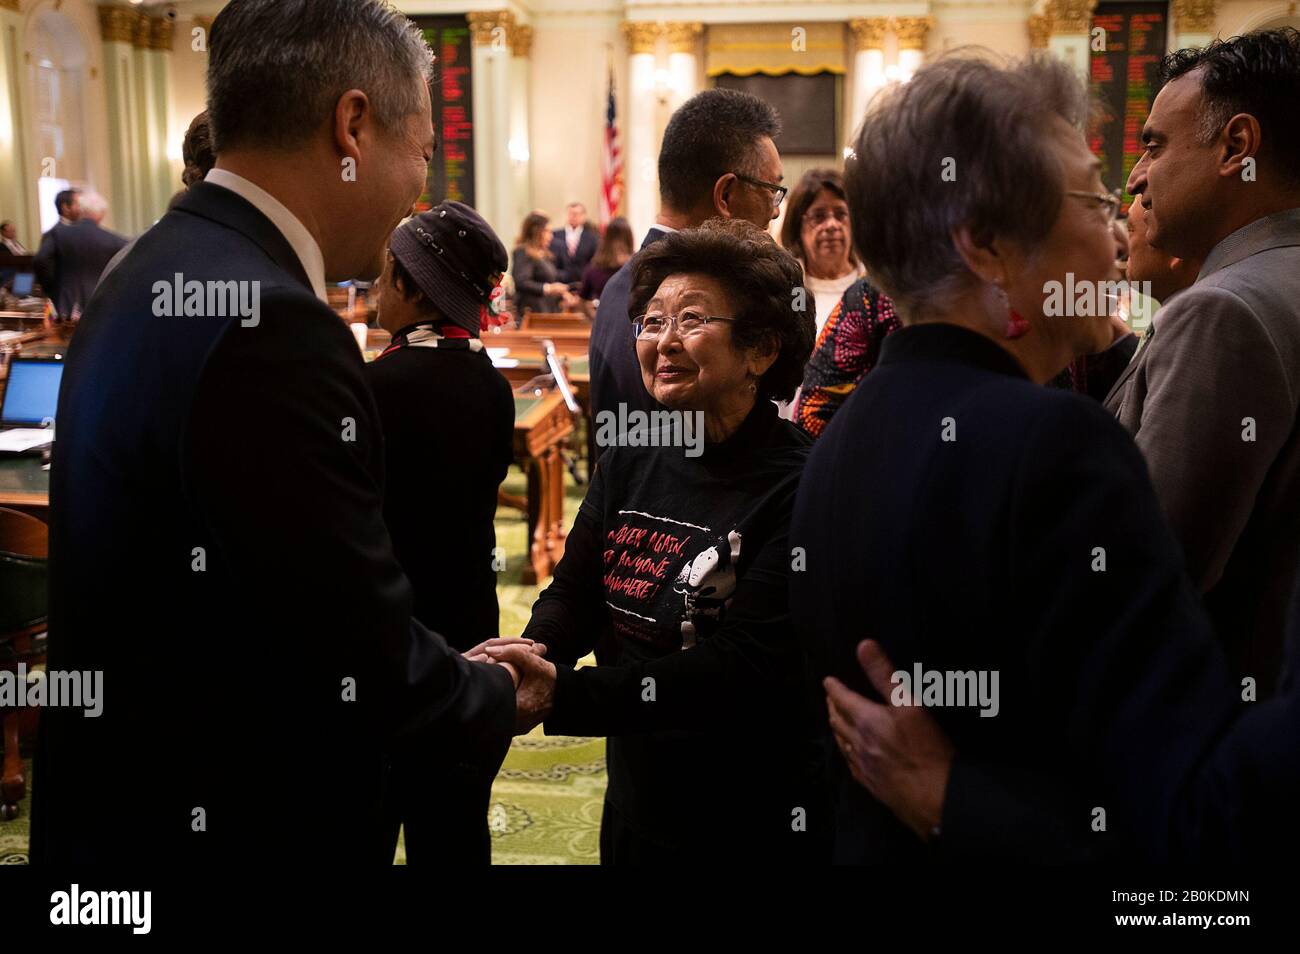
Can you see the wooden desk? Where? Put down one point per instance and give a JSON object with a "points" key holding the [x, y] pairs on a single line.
{"points": [[541, 425], [25, 486]]}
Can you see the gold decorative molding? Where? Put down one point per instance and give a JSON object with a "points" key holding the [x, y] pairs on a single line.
{"points": [[117, 24], [521, 44], [911, 31], [1070, 16], [682, 37], [161, 31], [1040, 28], [484, 23], [869, 32], [142, 33], [641, 36], [9, 5], [204, 23], [1194, 16]]}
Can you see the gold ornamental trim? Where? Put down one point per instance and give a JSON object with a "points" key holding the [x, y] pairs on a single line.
{"points": [[682, 37], [161, 31], [911, 31], [117, 24], [869, 32], [9, 5], [641, 36], [1070, 16], [484, 23], [1194, 16], [1040, 28], [521, 44]]}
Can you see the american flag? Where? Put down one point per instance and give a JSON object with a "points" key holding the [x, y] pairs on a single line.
{"points": [[611, 166]]}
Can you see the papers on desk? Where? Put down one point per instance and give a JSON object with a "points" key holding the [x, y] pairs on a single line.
{"points": [[20, 440], [500, 359]]}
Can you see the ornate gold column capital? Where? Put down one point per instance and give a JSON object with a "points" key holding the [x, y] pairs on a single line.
{"points": [[1040, 28], [641, 36], [9, 5], [1194, 16], [682, 37], [117, 24], [911, 31], [521, 44], [1070, 16], [203, 23], [483, 24], [869, 32], [161, 31]]}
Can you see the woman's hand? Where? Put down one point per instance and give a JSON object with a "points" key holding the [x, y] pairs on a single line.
{"points": [[554, 288], [479, 652], [898, 753]]}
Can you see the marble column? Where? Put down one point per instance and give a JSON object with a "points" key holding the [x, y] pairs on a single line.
{"points": [[911, 33], [493, 177], [17, 183], [868, 66], [1071, 21], [117, 30], [1193, 23], [683, 61], [641, 179], [520, 146]]}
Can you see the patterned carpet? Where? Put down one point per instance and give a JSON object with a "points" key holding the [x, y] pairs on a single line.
{"points": [[546, 802]]}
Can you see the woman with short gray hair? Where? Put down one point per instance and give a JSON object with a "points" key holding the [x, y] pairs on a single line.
{"points": [[1000, 539]]}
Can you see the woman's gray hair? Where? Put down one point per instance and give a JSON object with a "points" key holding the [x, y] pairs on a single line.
{"points": [[276, 68], [963, 144]]}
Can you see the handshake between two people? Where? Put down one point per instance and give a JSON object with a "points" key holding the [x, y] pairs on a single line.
{"points": [[533, 676]]}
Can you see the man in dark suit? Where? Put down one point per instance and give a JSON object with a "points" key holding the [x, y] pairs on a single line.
{"points": [[574, 246], [218, 548], [1213, 397], [74, 253], [717, 159]]}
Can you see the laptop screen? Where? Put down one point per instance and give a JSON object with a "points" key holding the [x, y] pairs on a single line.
{"points": [[32, 393], [23, 283]]}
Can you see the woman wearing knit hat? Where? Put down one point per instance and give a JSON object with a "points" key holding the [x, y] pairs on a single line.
{"points": [[448, 419]]}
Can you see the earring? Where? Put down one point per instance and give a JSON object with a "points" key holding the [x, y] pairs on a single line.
{"points": [[1017, 325]]}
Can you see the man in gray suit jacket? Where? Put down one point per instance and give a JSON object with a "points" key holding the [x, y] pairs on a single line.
{"points": [[1213, 394]]}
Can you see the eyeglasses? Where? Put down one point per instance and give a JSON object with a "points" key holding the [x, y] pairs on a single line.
{"points": [[688, 323], [1109, 203], [778, 191], [819, 217]]}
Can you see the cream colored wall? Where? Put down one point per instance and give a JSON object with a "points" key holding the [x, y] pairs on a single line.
{"points": [[568, 75], [1241, 16], [188, 92]]}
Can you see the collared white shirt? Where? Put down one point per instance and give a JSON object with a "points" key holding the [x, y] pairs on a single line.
{"points": [[294, 232], [571, 237]]}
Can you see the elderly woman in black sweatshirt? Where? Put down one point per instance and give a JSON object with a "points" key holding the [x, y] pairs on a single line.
{"points": [[675, 572]]}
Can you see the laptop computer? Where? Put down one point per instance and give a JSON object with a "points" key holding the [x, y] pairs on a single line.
{"points": [[24, 284], [30, 400]]}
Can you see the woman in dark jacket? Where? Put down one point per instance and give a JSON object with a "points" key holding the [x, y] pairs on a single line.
{"points": [[1000, 539], [537, 285], [675, 572]]}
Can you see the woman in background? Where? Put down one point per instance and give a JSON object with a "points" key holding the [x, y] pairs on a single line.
{"points": [[537, 284], [816, 232], [612, 253]]}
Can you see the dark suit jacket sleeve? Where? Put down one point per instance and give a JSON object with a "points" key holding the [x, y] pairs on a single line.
{"points": [[1121, 661], [744, 674], [46, 264], [1211, 370], [305, 535]]}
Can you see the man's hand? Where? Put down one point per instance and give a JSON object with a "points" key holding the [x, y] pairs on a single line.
{"points": [[898, 753], [535, 693], [479, 652]]}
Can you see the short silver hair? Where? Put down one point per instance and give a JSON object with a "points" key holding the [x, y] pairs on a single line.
{"points": [[276, 68], [960, 145]]}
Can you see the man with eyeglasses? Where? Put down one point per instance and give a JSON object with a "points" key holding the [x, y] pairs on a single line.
{"points": [[718, 158]]}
